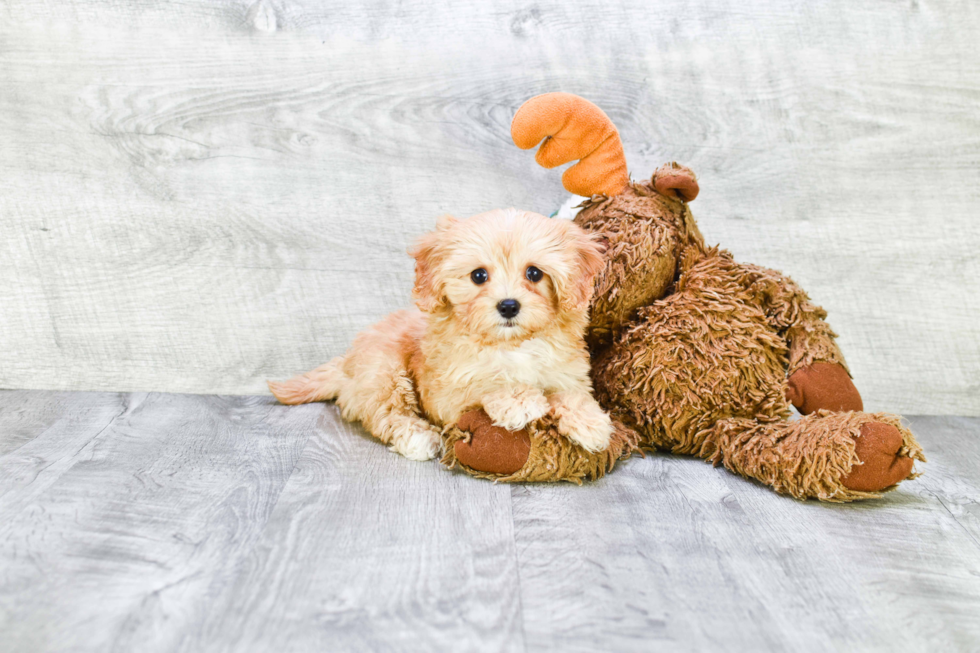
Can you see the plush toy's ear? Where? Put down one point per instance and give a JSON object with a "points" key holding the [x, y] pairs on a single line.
{"points": [[427, 252], [575, 293], [675, 180], [573, 128]]}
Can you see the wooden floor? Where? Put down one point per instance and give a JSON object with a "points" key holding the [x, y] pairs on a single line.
{"points": [[159, 522]]}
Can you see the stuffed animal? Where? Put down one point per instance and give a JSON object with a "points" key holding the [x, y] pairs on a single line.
{"points": [[692, 352]]}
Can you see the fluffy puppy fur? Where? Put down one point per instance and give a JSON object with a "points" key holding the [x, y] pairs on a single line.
{"points": [[417, 371]]}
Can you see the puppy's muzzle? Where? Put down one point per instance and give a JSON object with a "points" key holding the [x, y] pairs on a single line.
{"points": [[508, 308]]}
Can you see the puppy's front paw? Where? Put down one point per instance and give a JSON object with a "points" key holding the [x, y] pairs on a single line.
{"points": [[417, 442], [516, 409], [591, 437], [581, 420]]}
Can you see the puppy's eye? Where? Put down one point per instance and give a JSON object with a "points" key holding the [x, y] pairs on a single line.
{"points": [[479, 276], [533, 274]]}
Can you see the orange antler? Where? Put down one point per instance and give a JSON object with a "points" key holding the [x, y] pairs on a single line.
{"points": [[573, 128]]}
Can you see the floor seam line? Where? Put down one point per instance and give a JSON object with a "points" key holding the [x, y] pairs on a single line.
{"points": [[517, 568], [965, 529]]}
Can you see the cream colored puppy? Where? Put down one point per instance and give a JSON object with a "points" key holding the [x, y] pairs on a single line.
{"points": [[503, 299]]}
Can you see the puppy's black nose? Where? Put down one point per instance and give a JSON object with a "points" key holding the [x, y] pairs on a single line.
{"points": [[509, 308]]}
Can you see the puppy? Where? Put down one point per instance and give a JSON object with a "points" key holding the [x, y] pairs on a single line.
{"points": [[503, 302]]}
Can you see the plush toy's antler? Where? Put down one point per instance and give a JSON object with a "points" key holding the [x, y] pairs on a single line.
{"points": [[573, 128]]}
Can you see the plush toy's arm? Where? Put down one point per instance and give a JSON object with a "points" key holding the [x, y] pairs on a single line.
{"points": [[801, 322], [811, 340], [818, 377], [533, 454]]}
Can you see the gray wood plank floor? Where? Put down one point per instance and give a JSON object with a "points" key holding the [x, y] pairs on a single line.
{"points": [[158, 522]]}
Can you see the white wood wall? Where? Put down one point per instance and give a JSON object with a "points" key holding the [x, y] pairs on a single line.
{"points": [[196, 196]]}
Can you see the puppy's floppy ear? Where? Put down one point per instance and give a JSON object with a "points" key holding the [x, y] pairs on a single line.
{"points": [[445, 222], [427, 252], [586, 255]]}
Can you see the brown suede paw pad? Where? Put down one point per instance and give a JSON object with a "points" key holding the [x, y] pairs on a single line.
{"points": [[882, 466], [823, 386], [490, 448]]}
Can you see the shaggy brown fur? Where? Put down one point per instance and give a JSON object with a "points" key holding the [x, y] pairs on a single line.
{"points": [[805, 458], [697, 354]]}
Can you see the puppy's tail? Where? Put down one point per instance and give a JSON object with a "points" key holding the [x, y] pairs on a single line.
{"points": [[322, 384]]}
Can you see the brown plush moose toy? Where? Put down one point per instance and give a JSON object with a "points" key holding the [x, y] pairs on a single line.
{"points": [[692, 352]]}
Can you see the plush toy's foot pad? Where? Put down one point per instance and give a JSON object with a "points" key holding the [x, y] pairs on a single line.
{"points": [[823, 386], [882, 466], [491, 449]]}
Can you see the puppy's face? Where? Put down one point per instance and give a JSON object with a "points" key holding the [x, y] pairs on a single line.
{"points": [[506, 274]]}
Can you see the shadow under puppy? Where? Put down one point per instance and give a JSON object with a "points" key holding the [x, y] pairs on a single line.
{"points": [[503, 302]]}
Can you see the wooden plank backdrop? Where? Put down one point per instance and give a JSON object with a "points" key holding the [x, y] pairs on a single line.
{"points": [[197, 196]]}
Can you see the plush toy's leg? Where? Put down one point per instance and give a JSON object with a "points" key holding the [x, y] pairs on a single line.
{"points": [[828, 456]]}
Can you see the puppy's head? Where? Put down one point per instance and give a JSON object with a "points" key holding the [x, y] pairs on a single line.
{"points": [[506, 274]]}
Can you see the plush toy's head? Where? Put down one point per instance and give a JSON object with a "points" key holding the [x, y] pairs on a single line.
{"points": [[506, 274], [646, 226]]}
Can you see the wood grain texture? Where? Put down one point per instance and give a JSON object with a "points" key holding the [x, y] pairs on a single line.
{"points": [[117, 534], [670, 553], [197, 196], [202, 523], [368, 551], [188, 523]]}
